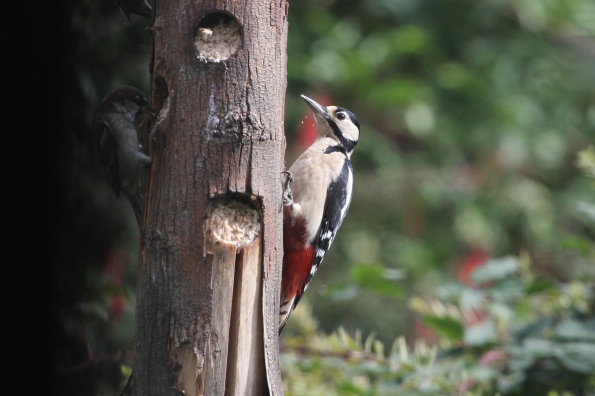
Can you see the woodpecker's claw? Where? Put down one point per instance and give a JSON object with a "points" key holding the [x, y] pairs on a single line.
{"points": [[287, 194], [289, 178]]}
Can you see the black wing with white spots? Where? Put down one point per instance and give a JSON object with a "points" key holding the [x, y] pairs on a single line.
{"points": [[338, 198]]}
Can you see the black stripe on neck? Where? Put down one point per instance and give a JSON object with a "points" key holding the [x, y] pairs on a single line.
{"points": [[334, 149], [346, 143]]}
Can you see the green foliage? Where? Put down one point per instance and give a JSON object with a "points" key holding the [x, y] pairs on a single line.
{"points": [[338, 364], [586, 161], [519, 334], [495, 270], [445, 326], [377, 279]]}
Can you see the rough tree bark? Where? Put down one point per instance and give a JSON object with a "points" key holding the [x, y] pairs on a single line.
{"points": [[211, 241]]}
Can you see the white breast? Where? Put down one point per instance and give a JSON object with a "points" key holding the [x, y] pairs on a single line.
{"points": [[313, 172]]}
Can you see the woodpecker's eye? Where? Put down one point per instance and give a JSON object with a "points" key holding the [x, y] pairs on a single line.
{"points": [[341, 116]]}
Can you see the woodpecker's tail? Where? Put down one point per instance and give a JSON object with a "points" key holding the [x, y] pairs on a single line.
{"points": [[284, 312], [286, 309]]}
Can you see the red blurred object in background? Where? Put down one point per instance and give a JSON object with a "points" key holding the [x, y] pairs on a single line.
{"points": [[467, 264], [114, 269], [474, 259]]}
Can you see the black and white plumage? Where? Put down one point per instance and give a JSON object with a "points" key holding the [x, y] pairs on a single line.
{"points": [[115, 135], [318, 194], [138, 7]]}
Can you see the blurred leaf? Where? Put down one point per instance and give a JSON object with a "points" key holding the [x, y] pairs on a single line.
{"points": [[495, 269], [126, 372], [580, 244], [445, 326], [94, 309], [377, 279], [410, 39], [397, 91], [507, 290], [350, 389], [586, 160], [480, 334], [340, 291], [472, 299], [538, 348], [572, 329], [578, 356], [533, 329], [539, 285], [520, 360], [587, 209]]}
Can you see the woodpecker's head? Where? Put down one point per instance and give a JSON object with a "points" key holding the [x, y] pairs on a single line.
{"points": [[337, 123], [125, 102]]}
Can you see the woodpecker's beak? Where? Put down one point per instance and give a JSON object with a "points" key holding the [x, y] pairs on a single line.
{"points": [[148, 110], [318, 109]]}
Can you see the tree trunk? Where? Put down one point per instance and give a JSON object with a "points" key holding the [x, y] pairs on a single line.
{"points": [[211, 245]]}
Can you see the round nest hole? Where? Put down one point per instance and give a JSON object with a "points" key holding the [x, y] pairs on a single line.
{"points": [[218, 36], [234, 222]]}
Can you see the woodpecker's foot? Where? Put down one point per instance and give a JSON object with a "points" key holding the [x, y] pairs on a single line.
{"points": [[287, 194]]}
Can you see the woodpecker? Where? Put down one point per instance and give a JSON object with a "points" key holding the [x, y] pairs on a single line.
{"points": [[116, 138], [138, 7], [316, 198]]}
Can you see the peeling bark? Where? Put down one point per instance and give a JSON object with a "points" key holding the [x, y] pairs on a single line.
{"points": [[207, 308]]}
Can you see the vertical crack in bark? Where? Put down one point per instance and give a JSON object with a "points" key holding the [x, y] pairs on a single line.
{"points": [[248, 85], [249, 172]]}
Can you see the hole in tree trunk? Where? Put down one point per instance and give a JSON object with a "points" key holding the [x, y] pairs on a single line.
{"points": [[234, 222], [218, 36]]}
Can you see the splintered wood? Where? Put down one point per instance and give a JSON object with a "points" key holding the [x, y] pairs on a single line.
{"points": [[236, 348]]}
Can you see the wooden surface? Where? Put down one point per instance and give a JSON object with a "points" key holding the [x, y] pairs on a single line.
{"points": [[220, 133], [246, 352]]}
